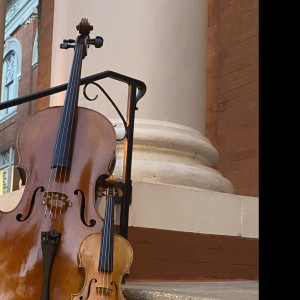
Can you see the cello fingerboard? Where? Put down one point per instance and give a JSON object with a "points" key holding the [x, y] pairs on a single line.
{"points": [[62, 156]]}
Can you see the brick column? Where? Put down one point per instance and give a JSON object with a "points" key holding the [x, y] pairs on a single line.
{"points": [[2, 29]]}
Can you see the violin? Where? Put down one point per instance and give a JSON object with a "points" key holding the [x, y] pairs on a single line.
{"points": [[104, 258], [63, 151]]}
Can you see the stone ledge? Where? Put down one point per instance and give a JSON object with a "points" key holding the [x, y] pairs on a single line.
{"points": [[179, 208], [237, 290], [160, 206]]}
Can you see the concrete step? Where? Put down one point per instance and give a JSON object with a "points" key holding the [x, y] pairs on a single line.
{"points": [[225, 290]]}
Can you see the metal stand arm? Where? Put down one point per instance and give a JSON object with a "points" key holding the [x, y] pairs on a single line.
{"points": [[136, 90]]}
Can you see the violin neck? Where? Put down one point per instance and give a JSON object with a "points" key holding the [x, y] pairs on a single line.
{"points": [[106, 252], [62, 156]]}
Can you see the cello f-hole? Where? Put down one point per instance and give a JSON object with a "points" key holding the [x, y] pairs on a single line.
{"points": [[89, 289], [82, 210], [19, 216]]}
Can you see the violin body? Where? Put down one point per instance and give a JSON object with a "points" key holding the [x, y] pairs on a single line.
{"points": [[98, 284], [21, 259]]}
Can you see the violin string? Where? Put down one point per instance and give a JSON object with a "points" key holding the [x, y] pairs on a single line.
{"points": [[91, 105], [109, 236], [104, 244], [112, 231], [109, 239], [106, 241]]}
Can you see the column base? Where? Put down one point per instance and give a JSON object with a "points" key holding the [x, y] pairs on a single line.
{"points": [[171, 153]]}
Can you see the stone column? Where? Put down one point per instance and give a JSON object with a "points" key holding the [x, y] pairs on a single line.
{"points": [[162, 43]]}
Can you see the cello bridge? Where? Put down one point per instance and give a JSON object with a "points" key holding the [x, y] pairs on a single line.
{"points": [[56, 199]]}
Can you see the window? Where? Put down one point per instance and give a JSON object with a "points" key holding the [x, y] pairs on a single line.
{"points": [[9, 69], [10, 75], [6, 170]]}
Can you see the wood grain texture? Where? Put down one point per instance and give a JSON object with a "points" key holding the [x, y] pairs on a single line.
{"points": [[88, 257], [21, 260]]}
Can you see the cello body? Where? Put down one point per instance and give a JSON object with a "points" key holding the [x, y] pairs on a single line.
{"points": [[21, 255]]}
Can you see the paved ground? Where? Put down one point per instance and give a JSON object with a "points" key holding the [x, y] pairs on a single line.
{"points": [[227, 290]]}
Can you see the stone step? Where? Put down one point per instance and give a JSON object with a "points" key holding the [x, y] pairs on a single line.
{"points": [[225, 290]]}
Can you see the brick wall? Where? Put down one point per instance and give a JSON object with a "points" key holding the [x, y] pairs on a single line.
{"points": [[173, 255], [27, 84], [232, 90], [45, 51]]}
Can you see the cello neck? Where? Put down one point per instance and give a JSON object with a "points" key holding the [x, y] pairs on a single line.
{"points": [[63, 149], [62, 156]]}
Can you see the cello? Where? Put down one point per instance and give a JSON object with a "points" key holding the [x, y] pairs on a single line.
{"points": [[63, 151], [104, 257]]}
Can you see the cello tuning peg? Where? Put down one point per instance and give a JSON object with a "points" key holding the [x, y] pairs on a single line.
{"points": [[97, 41], [66, 46], [69, 41]]}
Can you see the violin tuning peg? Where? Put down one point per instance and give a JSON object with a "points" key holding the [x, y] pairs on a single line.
{"points": [[111, 180]]}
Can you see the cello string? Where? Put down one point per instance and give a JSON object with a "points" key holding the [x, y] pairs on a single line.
{"points": [[63, 131], [71, 112], [77, 69], [57, 146]]}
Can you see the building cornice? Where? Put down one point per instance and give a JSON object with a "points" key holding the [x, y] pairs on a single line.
{"points": [[19, 13]]}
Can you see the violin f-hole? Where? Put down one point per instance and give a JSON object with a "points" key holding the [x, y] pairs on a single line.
{"points": [[82, 210], [19, 216]]}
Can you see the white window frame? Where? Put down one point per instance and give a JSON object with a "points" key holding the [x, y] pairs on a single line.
{"points": [[12, 45], [35, 52], [10, 165]]}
